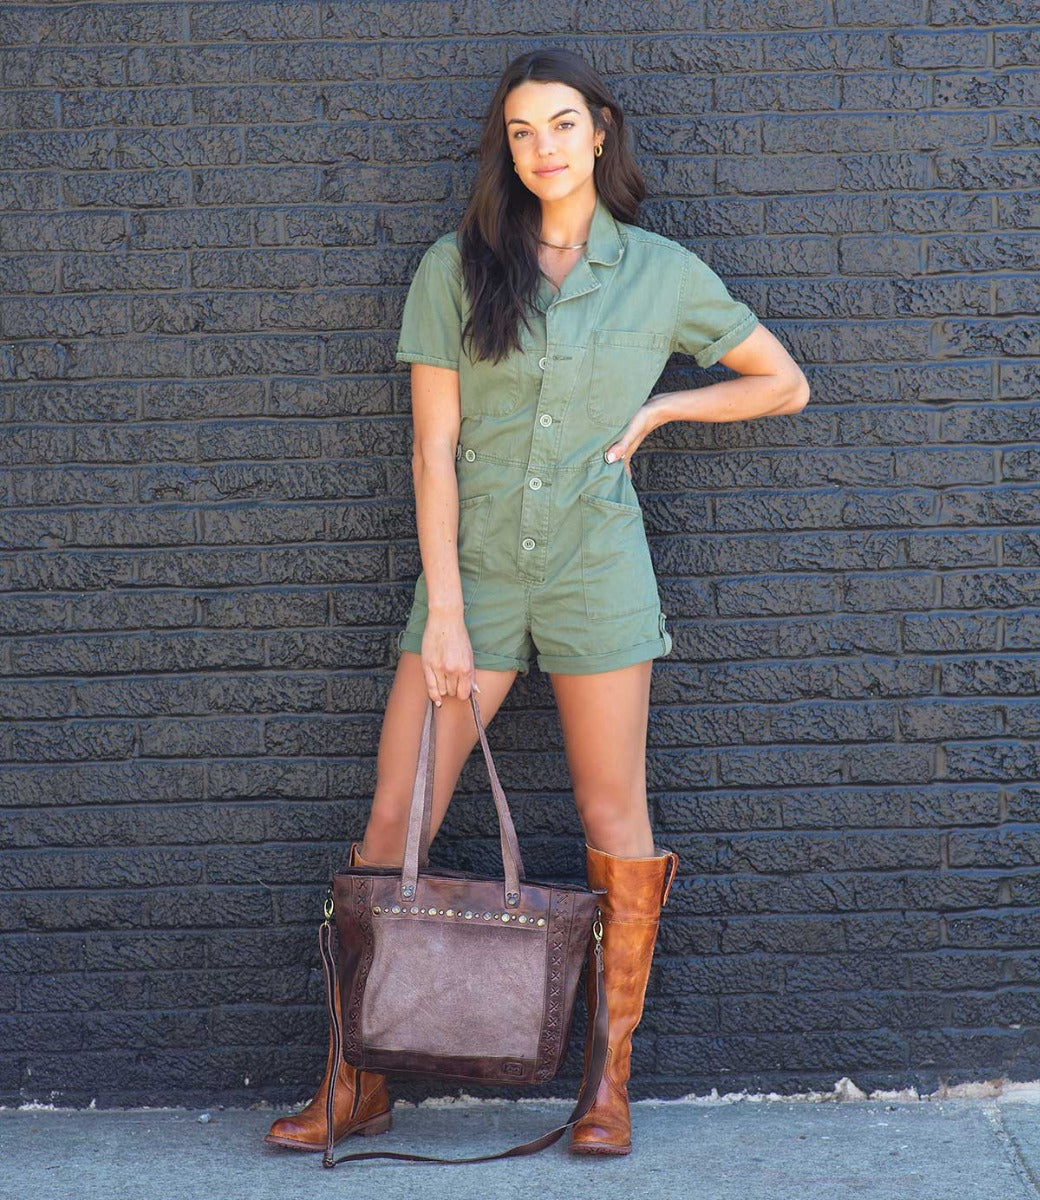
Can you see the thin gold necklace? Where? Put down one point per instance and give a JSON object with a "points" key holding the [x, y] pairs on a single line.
{"points": [[576, 246]]}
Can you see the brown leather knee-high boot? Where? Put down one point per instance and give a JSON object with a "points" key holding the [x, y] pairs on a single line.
{"points": [[307, 1129], [637, 889]]}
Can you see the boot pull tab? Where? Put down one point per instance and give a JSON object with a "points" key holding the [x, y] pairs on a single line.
{"points": [[668, 885]]}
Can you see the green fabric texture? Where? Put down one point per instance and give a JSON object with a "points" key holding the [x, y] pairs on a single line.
{"points": [[553, 555]]}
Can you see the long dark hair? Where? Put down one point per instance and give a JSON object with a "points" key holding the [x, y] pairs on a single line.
{"points": [[498, 232]]}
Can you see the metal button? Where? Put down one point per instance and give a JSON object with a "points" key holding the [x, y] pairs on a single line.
{"points": [[545, 419], [528, 543], [541, 363], [470, 455], [535, 484]]}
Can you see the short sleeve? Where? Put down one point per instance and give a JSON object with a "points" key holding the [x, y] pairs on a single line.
{"points": [[710, 321], [431, 324]]}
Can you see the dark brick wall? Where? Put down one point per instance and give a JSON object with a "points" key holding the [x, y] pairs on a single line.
{"points": [[210, 214]]}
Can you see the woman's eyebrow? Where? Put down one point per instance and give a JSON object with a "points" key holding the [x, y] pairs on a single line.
{"points": [[521, 121]]}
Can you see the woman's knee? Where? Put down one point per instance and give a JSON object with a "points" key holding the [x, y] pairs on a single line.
{"points": [[385, 834], [622, 829], [387, 829]]}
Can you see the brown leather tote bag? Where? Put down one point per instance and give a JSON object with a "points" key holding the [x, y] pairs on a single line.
{"points": [[451, 975]]}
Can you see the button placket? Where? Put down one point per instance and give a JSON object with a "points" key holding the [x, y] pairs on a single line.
{"points": [[534, 527], [536, 506]]}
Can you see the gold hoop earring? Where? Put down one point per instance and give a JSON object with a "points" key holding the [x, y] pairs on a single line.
{"points": [[599, 149], [516, 168]]}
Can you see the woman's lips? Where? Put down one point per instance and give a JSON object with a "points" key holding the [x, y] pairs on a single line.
{"points": [[551, 171]]}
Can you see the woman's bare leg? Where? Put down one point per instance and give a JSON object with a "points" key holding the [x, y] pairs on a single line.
{"points": [[604, 719], [398, 754], [604, 722]]}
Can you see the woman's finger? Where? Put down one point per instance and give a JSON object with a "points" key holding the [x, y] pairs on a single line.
{"points": [[438, 689], [434, 687]]}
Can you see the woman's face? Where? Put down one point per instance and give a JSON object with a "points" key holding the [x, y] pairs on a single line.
{"points": [[548, 126]]}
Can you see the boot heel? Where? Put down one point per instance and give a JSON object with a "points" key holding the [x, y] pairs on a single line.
{"points": [[378, 1124]]}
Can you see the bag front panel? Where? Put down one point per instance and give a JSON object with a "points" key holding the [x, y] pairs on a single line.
{"points": [[455, 984], [462, 988]]}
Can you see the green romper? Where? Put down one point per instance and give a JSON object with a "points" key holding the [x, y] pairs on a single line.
{"points": [[553, 556]]}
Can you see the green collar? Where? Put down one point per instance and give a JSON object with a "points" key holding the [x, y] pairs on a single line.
{"points": [[604, 241], [604, 246]]}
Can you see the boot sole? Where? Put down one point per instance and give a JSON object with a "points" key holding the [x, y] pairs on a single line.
{"points": [[369, 1128], [600, 1148]]}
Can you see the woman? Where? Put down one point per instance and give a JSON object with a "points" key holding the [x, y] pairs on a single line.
{"points": [[535, 334]]}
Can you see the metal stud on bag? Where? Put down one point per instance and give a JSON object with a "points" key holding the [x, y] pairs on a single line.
{"points": [[517, 919]]}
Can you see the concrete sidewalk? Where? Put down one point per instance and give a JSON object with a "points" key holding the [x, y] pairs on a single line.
{"points": [[733, 1148]]}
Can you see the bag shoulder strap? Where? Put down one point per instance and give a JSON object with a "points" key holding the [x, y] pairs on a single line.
{"points": [[598, 1022], [417, 842]]}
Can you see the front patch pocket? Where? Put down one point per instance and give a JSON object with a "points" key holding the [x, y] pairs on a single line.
{"points": [[474, 512], [617, 572], [623, 368]]}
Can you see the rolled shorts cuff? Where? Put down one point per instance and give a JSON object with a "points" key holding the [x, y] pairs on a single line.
{"points": [[593, 664], [408, 640]]}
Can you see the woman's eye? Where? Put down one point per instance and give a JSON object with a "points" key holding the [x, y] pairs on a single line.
{"points": [[562, 125]]}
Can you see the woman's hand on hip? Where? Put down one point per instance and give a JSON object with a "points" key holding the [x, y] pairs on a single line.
{"points": [[447, 658], [641, 424]]}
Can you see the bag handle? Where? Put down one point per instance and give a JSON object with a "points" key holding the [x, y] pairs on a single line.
{"points": [[417, 845], [598, 1023]]}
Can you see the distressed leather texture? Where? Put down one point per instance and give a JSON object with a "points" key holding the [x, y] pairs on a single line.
{"points": [[636, 891], [448, 1007]]}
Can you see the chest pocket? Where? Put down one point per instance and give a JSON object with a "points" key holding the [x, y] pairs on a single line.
{"points": [[623, 367], [489, 389]]}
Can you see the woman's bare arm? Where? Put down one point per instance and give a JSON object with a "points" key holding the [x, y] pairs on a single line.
{"points": [[436, 420], [770, 383]]}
